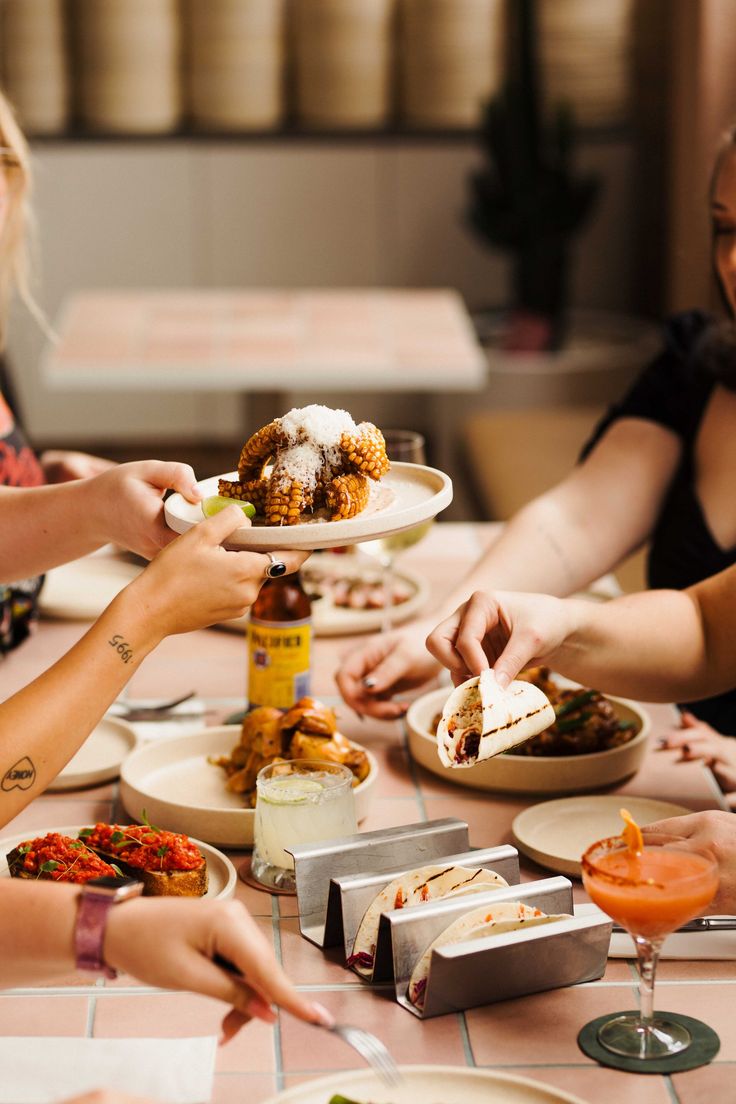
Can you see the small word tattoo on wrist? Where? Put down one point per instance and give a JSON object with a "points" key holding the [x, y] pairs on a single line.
{"points": [[122, 647], [20, 776]]}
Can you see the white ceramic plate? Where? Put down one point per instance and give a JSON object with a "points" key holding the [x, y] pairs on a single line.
{"points": [[331, 620], [182, 791], [99, 758], [532, 774], [408, 495], [80, 590], [222, 876], [556, 833], [428, 1085]]}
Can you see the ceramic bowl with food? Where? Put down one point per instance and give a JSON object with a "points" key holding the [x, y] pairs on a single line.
{"points": [[181, 789], [514, 773]]}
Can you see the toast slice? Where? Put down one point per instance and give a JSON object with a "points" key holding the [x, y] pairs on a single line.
{"points": [[168, 864], [57, 858]]}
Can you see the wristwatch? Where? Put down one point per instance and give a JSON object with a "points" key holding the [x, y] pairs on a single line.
{"points": [[96, 898]]}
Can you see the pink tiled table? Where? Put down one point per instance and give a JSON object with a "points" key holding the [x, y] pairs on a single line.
{"points": [[534, 1036], [266, 340]]}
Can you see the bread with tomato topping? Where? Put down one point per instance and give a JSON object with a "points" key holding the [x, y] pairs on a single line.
{"points": [[168, 864], [58, 858]]}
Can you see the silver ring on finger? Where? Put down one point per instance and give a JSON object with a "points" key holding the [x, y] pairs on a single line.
{"points": [[275, 569]]}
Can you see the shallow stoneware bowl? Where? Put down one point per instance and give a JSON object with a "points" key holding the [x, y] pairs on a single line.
{"points": [[508, 773]]}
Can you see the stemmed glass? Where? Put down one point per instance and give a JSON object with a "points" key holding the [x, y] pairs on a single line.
{"points": [[402, 446], [649, 891]]}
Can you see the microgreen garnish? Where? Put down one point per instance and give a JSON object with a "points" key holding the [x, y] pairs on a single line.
{"points": [[146, 821]]}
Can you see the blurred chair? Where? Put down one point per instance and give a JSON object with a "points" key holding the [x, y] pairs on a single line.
{"points": [[515, 455]]}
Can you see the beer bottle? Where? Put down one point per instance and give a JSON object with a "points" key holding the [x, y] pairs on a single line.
{"points": [[279, 643]]}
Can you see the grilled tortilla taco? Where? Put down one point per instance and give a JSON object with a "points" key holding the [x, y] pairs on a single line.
{"points": [[480, 719], [426, 883], [506, 916]]}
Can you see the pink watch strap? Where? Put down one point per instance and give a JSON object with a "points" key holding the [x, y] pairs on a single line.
{"points": [[89, 933]]}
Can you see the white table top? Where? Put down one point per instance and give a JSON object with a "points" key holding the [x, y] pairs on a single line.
{"points": [[266, 340]]}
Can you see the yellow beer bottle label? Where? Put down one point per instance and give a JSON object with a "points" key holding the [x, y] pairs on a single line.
{"points": [[278, 662]]}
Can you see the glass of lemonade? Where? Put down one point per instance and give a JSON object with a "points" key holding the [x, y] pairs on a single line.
{"points": [[299, 801]]}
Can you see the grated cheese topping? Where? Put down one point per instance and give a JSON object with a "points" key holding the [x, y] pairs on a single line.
{"points": [[313, 437]]}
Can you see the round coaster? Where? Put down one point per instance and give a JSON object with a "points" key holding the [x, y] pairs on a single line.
{"points": [[245, 875], [702, 1049]]}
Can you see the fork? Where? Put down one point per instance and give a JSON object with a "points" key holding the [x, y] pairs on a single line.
{"points": [[151, 712], [371, 1049]]}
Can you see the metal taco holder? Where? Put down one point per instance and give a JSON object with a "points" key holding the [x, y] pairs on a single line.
{"points": [[316, 865], [353, 893], [498, 967]]}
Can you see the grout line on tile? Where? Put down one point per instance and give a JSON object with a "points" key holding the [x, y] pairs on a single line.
{"points": [[277, 1045], [465, 1036], [91, 1013], [671, 1090], [418, 795]]}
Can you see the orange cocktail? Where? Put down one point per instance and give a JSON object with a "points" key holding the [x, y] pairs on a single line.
{"points": [[649, 891], [652, 892]]}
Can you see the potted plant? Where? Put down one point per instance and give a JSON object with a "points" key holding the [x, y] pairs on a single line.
{"points": [[527, 199]]}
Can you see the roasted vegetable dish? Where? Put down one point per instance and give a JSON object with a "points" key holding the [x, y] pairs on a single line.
{"points": [[586, 720], [306, 731], [314, 460]]}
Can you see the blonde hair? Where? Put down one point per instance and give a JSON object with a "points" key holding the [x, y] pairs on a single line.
{"points": [[14, 252]]}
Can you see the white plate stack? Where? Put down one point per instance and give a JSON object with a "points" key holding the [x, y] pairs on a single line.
{"points": [[343, 58], [585, 52], [34, 63], [450, 53], [129, 60], [236, 58]]}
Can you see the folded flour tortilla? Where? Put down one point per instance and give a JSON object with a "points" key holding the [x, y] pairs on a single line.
{"points": [[506, 916], [415, 887], [481, 720]]}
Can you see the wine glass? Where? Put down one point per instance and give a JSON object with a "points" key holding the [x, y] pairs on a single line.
{"points": [[403, 446], [650, 892]]}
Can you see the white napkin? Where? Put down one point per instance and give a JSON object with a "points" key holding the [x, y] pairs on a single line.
{"points": [[172, 726], [713, 945], [46, 1070]]}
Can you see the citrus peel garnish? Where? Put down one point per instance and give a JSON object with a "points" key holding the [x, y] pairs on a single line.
{"points": [[632, 833]]}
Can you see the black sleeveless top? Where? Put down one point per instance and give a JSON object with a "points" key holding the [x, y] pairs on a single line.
{"points": [[19, 467], [674, 391]]}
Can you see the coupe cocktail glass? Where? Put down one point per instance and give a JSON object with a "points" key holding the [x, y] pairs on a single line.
{"points": [[649, 892], [298, 801]]}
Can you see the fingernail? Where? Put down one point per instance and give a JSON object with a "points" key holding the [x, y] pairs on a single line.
{"points": [[369, 682], [404, 707], [323, 1016], [503, 680]]}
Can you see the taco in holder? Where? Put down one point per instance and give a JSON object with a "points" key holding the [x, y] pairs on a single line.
{"points": [[416, 887], [480, 923], [481, 720]]}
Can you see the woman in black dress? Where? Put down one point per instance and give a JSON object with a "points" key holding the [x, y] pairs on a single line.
{"points": [[659, 468]]}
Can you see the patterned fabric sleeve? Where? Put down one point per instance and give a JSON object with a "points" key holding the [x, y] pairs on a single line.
{"points": [[19, 467]]}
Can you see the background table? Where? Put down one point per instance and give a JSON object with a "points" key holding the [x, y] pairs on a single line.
{"points": [[534, 1036], [266, 340]]}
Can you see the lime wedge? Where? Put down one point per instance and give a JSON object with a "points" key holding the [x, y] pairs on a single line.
{"points": [[290, 791], [215, 503]]}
